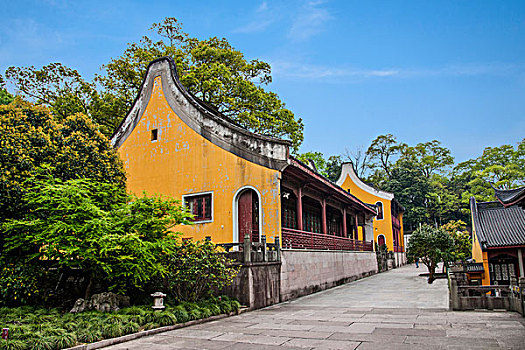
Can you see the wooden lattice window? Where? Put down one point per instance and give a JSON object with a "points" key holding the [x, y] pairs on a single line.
{"points": [[200, 205]]}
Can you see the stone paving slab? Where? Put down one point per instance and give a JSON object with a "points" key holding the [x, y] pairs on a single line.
{"points": [[393, 310]]}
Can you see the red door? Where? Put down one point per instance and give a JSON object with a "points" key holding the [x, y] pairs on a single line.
{"points": [[381, 240], [248, 215]]}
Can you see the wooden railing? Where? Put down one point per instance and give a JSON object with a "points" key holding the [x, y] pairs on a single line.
{"points": [[398, 249], [295, 239]]}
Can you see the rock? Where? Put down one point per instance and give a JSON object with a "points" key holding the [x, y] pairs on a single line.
{"points": [[104, 302]]}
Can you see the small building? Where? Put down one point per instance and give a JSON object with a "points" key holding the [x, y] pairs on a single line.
{"points": [[498, 239], [235, 182], [388, 223]]}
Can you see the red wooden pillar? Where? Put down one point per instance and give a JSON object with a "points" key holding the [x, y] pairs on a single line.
{"points": [[345, 231], [356, 228], [323, 216], [299, 205]]}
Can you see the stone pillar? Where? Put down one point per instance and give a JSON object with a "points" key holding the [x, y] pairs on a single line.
{"points": [[299, 206], [278, 248], [263, 241], [247, 248], [454, 301], [520, 262]]}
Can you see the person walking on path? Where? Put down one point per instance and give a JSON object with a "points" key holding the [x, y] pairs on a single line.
{"points": [[417, 263]]}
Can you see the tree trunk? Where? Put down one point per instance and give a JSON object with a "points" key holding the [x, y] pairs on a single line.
{"points": [[431, 271], [87, 293]]}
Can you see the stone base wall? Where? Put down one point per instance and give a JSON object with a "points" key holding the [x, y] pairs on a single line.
{"points": [[257, 284], [307, 271]]}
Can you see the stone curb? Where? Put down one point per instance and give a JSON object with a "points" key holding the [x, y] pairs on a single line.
{"points": [[125, 338]]}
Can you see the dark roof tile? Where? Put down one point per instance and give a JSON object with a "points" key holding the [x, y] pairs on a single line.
{"points": [[497, 226]]}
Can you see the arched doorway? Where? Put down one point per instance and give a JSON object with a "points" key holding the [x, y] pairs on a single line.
{"points": [[381, 240], [247, 209]]}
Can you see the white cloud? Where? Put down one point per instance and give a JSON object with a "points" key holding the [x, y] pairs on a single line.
{"points": [[261, 19], [317, 72], [350, 74], [309, 21]]}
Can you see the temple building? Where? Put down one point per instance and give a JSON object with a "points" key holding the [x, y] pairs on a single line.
{"points": [[235, 182], [388, 223], [498, 239]]}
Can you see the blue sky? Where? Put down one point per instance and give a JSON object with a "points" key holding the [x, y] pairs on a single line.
{"points": [[352, 70]]}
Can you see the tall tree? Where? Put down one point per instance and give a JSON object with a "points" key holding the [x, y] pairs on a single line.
{"points": [[360, 159], [502, 166], [430, 156], [212, 70], [382, 152], [65, 92], [31, 137]]}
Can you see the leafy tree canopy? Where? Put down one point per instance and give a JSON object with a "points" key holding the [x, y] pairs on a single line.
{"points": [[65, 92], [462, 248], [502, 166], [95, 227], [329, 168], [213, 71], [30, 137], [432, 246]]}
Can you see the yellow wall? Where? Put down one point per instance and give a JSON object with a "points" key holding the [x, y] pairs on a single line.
{"points": [[383, 226], [182, 162], [480, 256]]}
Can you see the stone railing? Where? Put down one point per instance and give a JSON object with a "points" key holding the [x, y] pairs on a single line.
{"points": [[468, 297], [295, 239], [248, 251]]}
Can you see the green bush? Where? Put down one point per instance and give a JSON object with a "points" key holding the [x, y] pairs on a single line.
{"points": [[196, 270], [40, 328], [20, 284], [181, 314]]}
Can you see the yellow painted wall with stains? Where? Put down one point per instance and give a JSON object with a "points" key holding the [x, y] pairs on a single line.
{"points": [[182, 162], [381, 227]]}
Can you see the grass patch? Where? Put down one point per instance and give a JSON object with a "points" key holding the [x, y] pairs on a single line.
{"points": [[50, 329]]}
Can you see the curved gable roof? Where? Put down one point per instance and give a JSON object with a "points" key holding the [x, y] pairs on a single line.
{"points": [[510, 197], [497, 226], [347, 170], [203, 119]]}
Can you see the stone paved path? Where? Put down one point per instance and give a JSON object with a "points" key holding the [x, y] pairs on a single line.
{"points": [[392, 310]]}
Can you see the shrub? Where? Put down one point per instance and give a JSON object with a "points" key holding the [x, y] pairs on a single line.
{"points": [[196, 270], [20, 284], [181, 314]]}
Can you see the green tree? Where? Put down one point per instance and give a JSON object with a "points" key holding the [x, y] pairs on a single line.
{"points": [[382, 151], [65, 92], [31, 137], [5, 97], [462, 243], [432, 246], [331, 168], [212, 70], [412, 189], [502, 166], [431, 157], [118, 240]]}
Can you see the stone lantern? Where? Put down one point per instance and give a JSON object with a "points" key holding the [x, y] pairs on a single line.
{"points": [[158, 301]]}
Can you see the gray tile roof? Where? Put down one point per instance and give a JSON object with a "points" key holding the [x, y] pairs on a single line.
{"points": [[510, 196], [497, 226]]}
